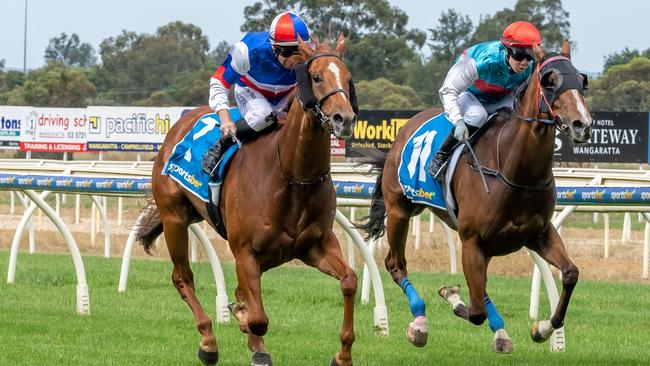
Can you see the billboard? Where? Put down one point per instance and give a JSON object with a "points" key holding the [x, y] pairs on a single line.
{"points": [[54, 130], [375, 129], [11, 118], [616, 137], [130, 128]]}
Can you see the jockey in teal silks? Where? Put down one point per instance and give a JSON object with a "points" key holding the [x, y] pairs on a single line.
{"points": [[481, 81], [259, 69]]}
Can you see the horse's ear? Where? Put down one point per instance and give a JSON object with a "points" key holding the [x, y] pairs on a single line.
{"points": [[538, 52], [304, 48], [566, 49], [340, 45]]}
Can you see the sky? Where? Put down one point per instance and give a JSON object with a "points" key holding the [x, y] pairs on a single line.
{"points": [[599, 27]]}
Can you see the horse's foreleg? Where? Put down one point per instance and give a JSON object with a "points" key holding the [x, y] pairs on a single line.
{"points": [[397, 232], [474, 268], [183, 279], [238, 309], [329, 260], [250, 292], [551, 248]]}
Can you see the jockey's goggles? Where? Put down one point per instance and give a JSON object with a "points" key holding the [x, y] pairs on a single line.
{"points": [[520, 54], [284, 51]]}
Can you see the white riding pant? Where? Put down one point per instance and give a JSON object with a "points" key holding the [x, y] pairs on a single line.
{"points": [[475, 113], [254, 107]]}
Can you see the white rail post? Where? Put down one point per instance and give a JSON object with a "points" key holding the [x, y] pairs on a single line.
{"points": [[351, 256], [12, 208], [626, 235], [417, 220], [606, 221], [646, 246], [120, 202], [77, 209]]}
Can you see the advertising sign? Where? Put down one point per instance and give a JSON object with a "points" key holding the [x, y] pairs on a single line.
{"points": [[130, 128], [54, 130], [375, 129], [10, 120], [620, 137]]}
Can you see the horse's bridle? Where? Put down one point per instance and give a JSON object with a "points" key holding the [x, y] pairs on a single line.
{"points": [[568, 78], [306, 94]]}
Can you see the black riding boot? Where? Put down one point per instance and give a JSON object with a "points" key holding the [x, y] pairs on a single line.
{"points": [[436, 165], [214, 154]]}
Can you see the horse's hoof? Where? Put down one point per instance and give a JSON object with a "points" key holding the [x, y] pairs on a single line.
{"points": [[460, 310], [418, 331], [334, 363], [208, 358], [261, 359], [541, 331], [446, 291], [501, 343]]}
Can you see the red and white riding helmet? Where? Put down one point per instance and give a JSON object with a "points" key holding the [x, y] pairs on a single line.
{"points": [[521, 35], [286, 28]]}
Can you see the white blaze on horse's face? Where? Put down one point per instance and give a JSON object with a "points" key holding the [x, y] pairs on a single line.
{"points": [[337, 73], [582, 108]]}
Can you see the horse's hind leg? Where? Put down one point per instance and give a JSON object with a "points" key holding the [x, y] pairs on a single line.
{"points": [[329, 260], [397, 231], [551, 248], [175, 230]]}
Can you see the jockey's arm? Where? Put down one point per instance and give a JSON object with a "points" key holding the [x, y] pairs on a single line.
{"points": [[232, 69], [460, 77]]}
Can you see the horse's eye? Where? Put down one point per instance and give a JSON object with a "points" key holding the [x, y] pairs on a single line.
{"points": [[316, 78]]}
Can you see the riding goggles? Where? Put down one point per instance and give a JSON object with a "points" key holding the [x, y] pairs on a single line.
{"points": [[520, 54], [284, 51]]}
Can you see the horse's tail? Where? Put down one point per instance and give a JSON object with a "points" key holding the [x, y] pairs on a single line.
{"points": [[374, 223], [148, 226]]}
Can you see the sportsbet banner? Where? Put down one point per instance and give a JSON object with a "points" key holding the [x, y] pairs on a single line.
{"points": [[130, 128], [54, 130], [11, 118]]}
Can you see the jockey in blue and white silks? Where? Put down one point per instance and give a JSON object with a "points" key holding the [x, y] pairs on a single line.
{"points": [[258, 69], [482, 80]]}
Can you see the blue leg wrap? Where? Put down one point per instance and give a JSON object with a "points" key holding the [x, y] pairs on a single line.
{"points": [[494, 318], [415, 302]]}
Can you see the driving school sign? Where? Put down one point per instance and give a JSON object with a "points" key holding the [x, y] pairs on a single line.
{"points": [[54, 130], [615, 137], [130, 128]]}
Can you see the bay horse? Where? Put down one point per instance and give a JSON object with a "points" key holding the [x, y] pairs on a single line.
{"points": [[278, 202], [516, 212]]}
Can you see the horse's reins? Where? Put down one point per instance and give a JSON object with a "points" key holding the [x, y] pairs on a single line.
{"points": [[562, 127], [311, 104]]}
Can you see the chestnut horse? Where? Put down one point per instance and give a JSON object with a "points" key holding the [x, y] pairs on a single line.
{"points": [[518, 208], [278, 202]]}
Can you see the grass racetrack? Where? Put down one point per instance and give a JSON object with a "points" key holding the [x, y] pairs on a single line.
{"points": [[606, 324]]}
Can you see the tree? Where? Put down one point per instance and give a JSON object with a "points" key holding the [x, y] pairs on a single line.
{"points": [[451, 35], [136, 65], [54, 85], [382, 94], [623, 57], [70, 51], [622, 88], [547, 15]]}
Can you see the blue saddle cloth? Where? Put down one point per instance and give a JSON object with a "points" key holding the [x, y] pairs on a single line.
{"points": [[184, 165], [418, 151]]}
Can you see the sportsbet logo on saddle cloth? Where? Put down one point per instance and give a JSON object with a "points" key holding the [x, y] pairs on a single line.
{"points": [[416, 183], [184, 165]]}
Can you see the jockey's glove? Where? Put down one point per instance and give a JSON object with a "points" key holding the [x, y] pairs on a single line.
{"points": [[460, 131]]}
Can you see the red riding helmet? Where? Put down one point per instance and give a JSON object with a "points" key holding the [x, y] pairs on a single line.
{"points": [[521, 35], [286, 28]]}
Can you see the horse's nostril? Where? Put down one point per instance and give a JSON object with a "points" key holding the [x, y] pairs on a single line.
{"points": [[578, 125], [337, 118]]}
